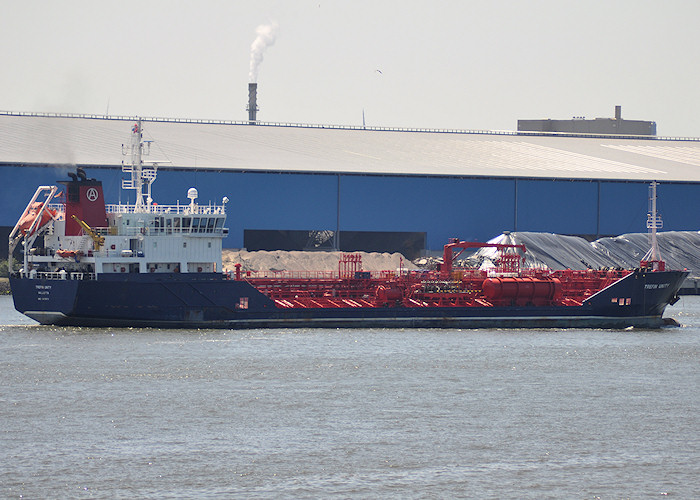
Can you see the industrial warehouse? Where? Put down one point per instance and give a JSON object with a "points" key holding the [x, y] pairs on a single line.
{"points": [[298, 186]]}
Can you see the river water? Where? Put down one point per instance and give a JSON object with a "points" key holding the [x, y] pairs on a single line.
{"points": [[148, 413]]}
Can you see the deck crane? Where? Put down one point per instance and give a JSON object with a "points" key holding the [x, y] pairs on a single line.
{"points": [[96, 238], [510, 261]]}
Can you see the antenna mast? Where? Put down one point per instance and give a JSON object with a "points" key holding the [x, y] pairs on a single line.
{"points": [[652, 259], [654, 221], [140, 176]]}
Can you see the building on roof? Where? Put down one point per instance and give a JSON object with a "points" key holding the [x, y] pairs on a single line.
{"points": [[364, 188], [579, 125]]}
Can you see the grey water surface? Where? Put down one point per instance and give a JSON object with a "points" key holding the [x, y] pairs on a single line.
{"points": [[149, 413]]}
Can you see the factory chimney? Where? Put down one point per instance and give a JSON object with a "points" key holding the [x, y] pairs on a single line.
{"points": [[252, 103], [618, 113]]}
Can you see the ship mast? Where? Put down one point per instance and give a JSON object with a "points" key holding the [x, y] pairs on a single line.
{"points": [[652, 259], [137, 164], [654, 221], [140, 177]]}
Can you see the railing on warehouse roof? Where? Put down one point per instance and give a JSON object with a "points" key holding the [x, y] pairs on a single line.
{"points": [[344, 127]]}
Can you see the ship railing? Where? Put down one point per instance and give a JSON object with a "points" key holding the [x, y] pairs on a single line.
{"points": [[152, 231], [168, 209], [61, 275], [321, 275], [82, 276], [290, 275], [59, 209]]}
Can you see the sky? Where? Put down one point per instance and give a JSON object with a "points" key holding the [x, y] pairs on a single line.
{"points": [[462, 64]]}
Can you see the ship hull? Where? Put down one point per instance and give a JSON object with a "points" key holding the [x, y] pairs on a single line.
{"points": [[210, 301]]}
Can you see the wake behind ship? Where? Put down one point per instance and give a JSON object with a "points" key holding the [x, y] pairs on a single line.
{"points": [[88, 263]]}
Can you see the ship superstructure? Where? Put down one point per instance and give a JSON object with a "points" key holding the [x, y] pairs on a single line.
{"points": [[83, 237]]}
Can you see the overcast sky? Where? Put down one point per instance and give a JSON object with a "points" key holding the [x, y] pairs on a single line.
{"points": [[436, 64]]}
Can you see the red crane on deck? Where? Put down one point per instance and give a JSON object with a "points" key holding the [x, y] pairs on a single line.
{"points": [[509, 261]]}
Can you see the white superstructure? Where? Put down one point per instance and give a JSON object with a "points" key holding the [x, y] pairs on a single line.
{"points": [[143, 237]]}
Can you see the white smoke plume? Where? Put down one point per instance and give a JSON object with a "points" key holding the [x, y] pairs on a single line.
{"points": [[267, 34]]}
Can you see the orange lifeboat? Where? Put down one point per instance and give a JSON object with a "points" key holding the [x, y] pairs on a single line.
{"points": [[32, 213], [66, 254]]}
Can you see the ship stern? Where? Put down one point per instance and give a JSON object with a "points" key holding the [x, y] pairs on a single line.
{"points": [[50, 302]]}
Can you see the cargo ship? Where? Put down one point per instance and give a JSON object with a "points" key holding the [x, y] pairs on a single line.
{"points": [[142, 264]]}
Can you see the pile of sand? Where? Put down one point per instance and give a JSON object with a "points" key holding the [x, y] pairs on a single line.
{"points": [[279, 260]]}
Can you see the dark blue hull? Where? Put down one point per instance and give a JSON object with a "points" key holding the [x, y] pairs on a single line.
{"points": [[210, 301]]}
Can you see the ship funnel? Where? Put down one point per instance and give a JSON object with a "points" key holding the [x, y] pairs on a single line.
{"points": [[84, 200], [252, 103]]}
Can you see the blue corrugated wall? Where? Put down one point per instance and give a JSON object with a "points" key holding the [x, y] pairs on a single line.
{"points": [[468, 208]]}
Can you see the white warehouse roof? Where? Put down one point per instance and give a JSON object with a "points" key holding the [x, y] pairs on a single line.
{"points": [[96, 140]]}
